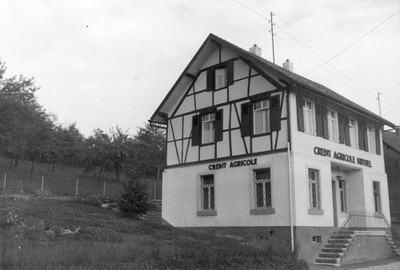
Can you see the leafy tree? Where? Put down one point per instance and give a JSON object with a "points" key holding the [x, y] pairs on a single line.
{"points": [[97, 148]]}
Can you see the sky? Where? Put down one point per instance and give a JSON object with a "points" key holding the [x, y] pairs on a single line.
{"points": [[103, 64]]}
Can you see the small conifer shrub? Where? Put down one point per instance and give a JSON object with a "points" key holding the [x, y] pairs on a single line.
{"points": [[133, 201]]}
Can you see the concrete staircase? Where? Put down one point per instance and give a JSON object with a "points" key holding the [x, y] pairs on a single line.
{"points": [[333, 252], [393, 245]]}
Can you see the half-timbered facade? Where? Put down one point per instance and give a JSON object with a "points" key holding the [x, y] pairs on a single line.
{"points": [[255, 149]]}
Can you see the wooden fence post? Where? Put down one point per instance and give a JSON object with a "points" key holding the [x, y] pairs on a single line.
{"points": [[4, 182], [76, 187], [104, 188], [41, 189]]}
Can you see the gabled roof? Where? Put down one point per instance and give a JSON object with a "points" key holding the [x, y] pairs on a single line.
{"points": [[212, 42], [392, 140]]}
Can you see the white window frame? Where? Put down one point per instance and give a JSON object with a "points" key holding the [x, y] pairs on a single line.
{"points": [[333, 125], [371, 139], [377, 197], [208, 189], [314, 190], [208, 128], [263, 112], [309, 117], [342, 195], [221, 77], [353, 131], [266, 186]]}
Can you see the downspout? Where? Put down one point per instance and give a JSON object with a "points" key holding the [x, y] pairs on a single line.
{"points": [[290, 170]]}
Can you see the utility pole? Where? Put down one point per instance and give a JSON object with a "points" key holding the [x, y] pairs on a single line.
{"points": [[272, 35], [379, 103]]}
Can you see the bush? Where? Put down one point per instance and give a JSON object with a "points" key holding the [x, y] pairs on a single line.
{"points": [[133, 200]]}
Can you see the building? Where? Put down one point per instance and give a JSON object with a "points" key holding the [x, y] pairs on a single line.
{"points": [[254, 149], [391, 149]]}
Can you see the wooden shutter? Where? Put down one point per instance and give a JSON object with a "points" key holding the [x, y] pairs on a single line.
{"points": [[275, 113], [229, 73], [246, 119], [210, 79], [362, 136], [300, 117], [318, 120], [347, 131], [218, 125], [325, 122], [377, 140], [196, 130], [342, 127]]}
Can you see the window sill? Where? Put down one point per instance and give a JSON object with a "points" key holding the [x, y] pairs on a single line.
{"points": [[265, 211], [206, 213], [315, 212]]}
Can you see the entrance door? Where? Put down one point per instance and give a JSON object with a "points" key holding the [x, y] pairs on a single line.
{"points": [[335, 215]]}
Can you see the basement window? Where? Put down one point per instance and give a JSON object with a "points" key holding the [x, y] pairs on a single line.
{"points": [[317, 239]]}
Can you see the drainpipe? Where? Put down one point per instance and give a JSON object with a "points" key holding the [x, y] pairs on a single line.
{"points": [[290, 169]]}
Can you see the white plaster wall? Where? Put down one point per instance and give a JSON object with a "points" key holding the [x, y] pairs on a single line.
{"points": [[260, 85], [233, 195]]}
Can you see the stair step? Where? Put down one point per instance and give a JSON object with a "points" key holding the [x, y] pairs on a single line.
{"points": [[342, 237], [329, 255], [343, 246], [327, 260], [339, 241], [333, 250]]}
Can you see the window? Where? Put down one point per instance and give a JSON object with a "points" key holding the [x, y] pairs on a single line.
{"points": [[371, 139], [309, 116], [313, 186], [377, 197], [207, 193], [353, 132], [342, 194], [262, 188], [261, 117], [332, 125], [208, 128], [220, 78]]}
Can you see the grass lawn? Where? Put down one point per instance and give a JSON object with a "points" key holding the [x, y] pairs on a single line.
{"points": [[44, 233]]}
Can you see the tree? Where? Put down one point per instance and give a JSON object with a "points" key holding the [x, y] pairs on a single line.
{"points": [[97, 148], [120, 147], [133, 201]]}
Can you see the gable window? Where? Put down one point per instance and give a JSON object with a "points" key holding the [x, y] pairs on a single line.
{"points": [[371, 138], [314, 192], [220, 76], [261, 117], [332, 125], [309, 116], [207, 127], [352, 124], [207, 193], [377, 196]]}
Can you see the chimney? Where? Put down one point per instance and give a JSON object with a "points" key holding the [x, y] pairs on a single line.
{"points": [[255, 50], [288, 65]]}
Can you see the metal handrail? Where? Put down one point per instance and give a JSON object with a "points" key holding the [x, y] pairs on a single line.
{"points": [[365, 220]]}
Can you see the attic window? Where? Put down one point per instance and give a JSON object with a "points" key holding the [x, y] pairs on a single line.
{"points": [[220, 76]]}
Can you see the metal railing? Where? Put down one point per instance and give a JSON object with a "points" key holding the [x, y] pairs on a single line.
{"points": [[360, 220]]}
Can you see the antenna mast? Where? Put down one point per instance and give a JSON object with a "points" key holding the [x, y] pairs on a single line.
{"points": [[272, 35], [379, 103]]}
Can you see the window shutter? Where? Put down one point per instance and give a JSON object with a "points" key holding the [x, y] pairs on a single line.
{"points": [[346, 131], [246, 119], [377, 140], [342, 126], [300, 117], [325, 122], [218, 125], [229, 73], [196, 130], [210, 79], [318, 120], [365, 138], [361, 136], [275, 113]]}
